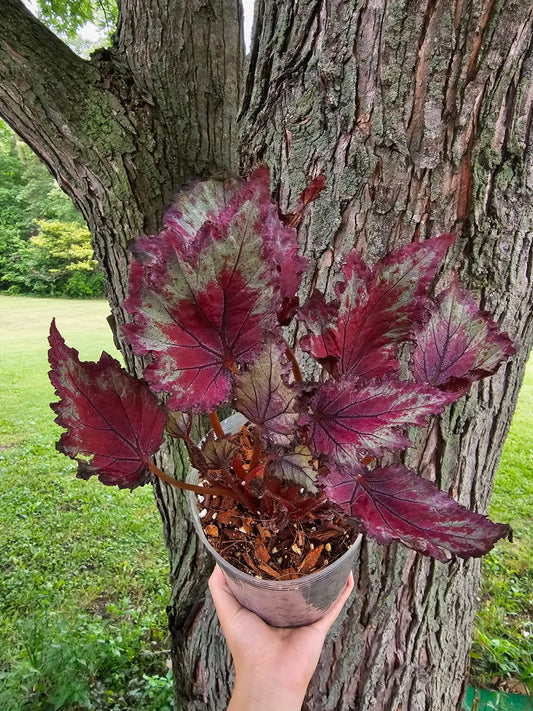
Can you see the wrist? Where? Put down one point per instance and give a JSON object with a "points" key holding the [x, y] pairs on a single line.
{"points": [[259, 693]]}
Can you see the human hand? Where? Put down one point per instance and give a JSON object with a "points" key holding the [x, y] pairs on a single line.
{"points": [[273, 666]]}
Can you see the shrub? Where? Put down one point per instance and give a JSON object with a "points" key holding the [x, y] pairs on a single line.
{"points": [[58, 261]]}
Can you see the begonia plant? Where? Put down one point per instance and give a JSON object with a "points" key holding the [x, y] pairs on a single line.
{"points": [[209, 297]]}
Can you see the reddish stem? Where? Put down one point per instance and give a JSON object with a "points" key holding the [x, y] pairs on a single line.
{"points": [[295, 365], [256, 454], [214, 491], [215, 424], [240, 471]]}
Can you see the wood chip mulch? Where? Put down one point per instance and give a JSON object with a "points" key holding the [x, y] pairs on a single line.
{"points": [[300, 548]]}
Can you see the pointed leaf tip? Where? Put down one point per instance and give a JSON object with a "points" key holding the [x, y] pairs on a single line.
{"points": [[395, 504], [110, 417], [458, 344]]}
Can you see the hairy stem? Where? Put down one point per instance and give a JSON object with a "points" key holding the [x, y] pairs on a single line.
{"points": [[217, 427], [294, 363], [214, 491]]}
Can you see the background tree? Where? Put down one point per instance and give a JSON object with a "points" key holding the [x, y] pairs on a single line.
{"points": [[57, 261], [45, 247], [419, 114]]}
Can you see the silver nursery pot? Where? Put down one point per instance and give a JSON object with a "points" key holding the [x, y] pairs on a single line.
{"points": [[281, 603]]}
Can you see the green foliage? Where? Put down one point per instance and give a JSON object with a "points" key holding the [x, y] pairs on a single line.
{"points": [[44, 244], [83, 582], [57, 261], [503, 638], [68, 17], [88, 660]]}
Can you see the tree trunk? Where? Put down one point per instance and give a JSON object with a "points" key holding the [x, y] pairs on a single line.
{"points": [[419, 115]]}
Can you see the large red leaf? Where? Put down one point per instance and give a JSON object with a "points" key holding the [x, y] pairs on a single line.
{"points": [[394, 504], [346, 418], [202, 301], [281, 245], [263, 396], [378, 309], [459, 344], [110, 417]]}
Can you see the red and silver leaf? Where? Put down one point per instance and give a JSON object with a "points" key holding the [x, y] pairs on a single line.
{"points": [[280, 243], [202, 303], [394, 504], [281, 247], [459, 344], [195, 206], [357, 280], [110, 417], [263, 397], [293, 465], [378, 309], [200, 322], [322, 341], [347, 417]]}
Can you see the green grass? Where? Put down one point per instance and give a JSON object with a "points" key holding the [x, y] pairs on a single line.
{"points": [[502, 652], [83, 568]]}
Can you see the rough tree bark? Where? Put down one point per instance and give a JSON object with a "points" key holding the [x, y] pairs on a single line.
{"points": [[419, 114]]}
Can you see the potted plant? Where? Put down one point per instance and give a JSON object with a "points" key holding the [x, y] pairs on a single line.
{"points": [[283, 492]]}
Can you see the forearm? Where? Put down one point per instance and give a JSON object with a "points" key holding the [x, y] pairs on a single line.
{"points": [[261, 695]]}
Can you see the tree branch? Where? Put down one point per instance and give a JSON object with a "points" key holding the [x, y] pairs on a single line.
{"points": [[42, 84], [172, 79]]}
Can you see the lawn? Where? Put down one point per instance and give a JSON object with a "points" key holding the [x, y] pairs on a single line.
{"points": [[502, 653], [83, 569], [83, 583]]}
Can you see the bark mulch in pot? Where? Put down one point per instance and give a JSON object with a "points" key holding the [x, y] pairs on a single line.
{"points": [[292, 532], [297, 549]]}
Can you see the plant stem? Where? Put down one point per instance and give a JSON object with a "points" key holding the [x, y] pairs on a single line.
{"points": [[243, 495], [239, 469], [256, 454], [214, 491], [215, 424], [295, 365]]}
